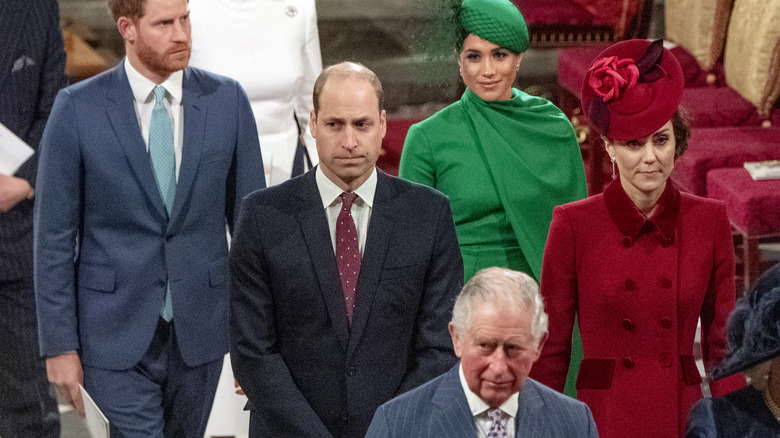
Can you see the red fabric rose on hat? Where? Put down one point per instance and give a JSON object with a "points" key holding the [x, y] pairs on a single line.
{"points": [[611, 76]]}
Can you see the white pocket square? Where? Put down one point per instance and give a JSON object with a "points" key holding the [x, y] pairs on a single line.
{"points": [[21, 63]]}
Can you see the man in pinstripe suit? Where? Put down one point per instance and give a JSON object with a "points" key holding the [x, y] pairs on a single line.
{"points": [[32, 70], [498, 329]]}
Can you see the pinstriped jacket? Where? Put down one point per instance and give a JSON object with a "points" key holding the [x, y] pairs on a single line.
{"points": [[439, 409], [32, 70]]}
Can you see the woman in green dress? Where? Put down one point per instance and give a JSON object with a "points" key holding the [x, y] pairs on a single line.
{"points": [[504, 158]]}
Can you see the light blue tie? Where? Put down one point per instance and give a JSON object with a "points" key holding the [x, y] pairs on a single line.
{"points": [[164, 165]]}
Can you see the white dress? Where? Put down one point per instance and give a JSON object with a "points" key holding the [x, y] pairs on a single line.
{"points": [[272, 48]]}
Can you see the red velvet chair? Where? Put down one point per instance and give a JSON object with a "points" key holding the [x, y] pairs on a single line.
{"points": [[754, 211]]}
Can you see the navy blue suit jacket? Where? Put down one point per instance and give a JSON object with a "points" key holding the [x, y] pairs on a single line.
{"points": [[440, 409], [32, 71], [104, 245], [307, 373]]}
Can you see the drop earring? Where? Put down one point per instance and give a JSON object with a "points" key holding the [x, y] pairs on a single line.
{"points": [[613, 167]]}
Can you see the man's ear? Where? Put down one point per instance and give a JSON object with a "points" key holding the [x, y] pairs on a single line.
{"points": [[541, 345], [313, 123], [456, 339], [127, 29]]}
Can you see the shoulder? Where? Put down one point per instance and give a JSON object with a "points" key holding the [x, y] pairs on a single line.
{"points": [[581, 207], [552, 397], [449, 115], [690, 201], [208, 82], [417, 397], [412, 191]]}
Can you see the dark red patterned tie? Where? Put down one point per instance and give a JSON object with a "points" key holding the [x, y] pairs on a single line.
{"points": [[347, 252]]}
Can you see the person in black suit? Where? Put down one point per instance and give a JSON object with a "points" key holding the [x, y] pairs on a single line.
{"points": [[336, 309], [32, 70]]}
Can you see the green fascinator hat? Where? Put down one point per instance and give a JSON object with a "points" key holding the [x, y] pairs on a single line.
{"points": [[497, 21]]}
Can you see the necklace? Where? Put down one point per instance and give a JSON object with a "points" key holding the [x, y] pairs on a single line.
{"points": [[771, 404]]}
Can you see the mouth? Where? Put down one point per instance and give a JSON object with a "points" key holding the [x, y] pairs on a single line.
{"points": [[489, 84]]}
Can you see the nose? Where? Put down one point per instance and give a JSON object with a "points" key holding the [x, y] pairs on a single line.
{"points": [[498, 362], [181, 31], [648, 153], [488, 68], [350, 140]]}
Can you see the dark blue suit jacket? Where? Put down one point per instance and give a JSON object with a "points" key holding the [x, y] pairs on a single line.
{"points": [[104, 246], [440, 409], [307, 373], [32, 71]]}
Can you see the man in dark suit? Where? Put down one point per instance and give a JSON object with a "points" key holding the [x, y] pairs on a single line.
{"points": [[139, 169], [32, 70], [336, 308], [498, 328]]}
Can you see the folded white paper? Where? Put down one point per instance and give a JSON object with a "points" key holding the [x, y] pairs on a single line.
{"points": [[97, 423], [13, 151], [769, 169]]}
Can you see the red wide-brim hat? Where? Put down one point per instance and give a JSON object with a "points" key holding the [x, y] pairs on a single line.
{"points": [[632, 89]]}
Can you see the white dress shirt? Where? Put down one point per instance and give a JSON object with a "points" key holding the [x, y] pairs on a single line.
{"points": [[143, 98], [361, 209], [479, 409]]}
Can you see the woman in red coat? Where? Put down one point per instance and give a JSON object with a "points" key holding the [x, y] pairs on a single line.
{"points": [[640, 263]]}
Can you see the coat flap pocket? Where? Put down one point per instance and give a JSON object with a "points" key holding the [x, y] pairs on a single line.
{"points": [[101, 278], [595, 373]]}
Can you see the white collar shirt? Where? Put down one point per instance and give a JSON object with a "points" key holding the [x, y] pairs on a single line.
{"points": [[143, 99], [361, 209], [479, 409]]}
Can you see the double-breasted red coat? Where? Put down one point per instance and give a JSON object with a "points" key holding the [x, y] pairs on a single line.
{"points": [[638, 287]]}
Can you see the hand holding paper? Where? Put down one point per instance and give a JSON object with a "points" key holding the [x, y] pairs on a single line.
{"points": [[66, 374], [13, 190], [13, 151]]}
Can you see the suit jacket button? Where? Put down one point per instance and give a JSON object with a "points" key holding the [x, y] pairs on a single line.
{"points": [[627, 324], [344, 417], [351, 371], [666, 283], [627, 242], [630, 284], [666, 323], [161, 283], [628, 363], [666, 361]]}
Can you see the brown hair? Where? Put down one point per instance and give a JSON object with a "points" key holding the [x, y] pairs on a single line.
{"points": [[132, 9], [682, 131], [347, 69]]}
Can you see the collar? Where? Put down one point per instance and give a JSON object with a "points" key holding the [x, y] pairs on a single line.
{"points": [[632, 223], [142, 87], [478, 406], [330, 192]]}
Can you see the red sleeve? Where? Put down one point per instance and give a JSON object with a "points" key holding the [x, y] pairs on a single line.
{"points": [[718, 304], [559, 289]]}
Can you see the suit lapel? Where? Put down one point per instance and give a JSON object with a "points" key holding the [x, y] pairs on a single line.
{"points": [[192, 143], [380, 230], [453, 416], [10, 14], [532, 419], [121, 113], [314, 225]]}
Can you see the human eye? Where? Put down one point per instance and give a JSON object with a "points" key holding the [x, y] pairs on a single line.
{"points": [[501, 54], [661, 140], [473, 57], [633, 144]]}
